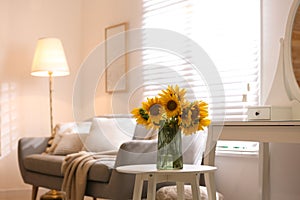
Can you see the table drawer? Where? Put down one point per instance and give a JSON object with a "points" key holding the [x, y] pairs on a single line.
{"points": [[259, 113]]}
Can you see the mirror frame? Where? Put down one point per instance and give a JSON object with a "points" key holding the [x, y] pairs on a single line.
{"points": [[289, 76], [115, 69]]}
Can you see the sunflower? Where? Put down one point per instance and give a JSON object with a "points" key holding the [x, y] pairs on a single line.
{"points": [[191, 124], [180, 93], [170, 103], [141, 116], [154, 108]]}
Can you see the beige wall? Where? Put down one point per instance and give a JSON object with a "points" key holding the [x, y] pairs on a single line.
{"points": [[24, 98], [24, 101], [97, 16]]}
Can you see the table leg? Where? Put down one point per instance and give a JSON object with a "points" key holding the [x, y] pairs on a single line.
{"points": [[138, 187], [209, 159], [195, 187], [180, 190], [264, 172], [210, 185], [151, 193]]}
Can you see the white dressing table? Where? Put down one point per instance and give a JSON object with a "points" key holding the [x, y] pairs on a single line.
{"points": [[259, 131]]}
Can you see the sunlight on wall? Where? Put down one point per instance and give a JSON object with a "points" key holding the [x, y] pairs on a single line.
{"points": [[8, 118]]}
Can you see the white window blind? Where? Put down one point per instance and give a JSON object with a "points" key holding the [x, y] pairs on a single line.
{"points": [[229, 31]]}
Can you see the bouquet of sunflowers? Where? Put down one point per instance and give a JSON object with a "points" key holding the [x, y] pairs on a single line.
{"points": [[171, 110], [172, 114]]}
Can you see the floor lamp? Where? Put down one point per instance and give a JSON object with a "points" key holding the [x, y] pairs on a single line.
{"points": [[50, 61]]}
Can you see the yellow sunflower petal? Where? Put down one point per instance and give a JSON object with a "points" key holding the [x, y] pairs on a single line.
{"points": [[203, 113], [180, 93], [205, 122], [203, 104]]}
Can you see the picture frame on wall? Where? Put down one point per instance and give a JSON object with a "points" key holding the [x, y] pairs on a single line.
{"points": [[115, 58]]}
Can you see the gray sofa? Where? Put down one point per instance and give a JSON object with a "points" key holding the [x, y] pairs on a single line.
{"points": [[103, 181], [43, 170]]}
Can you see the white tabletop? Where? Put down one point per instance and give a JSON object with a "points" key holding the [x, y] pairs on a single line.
{"points": [[258, 123], [136, 169]]}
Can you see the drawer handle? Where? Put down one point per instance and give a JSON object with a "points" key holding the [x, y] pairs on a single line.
{"points": [[257, 113]]}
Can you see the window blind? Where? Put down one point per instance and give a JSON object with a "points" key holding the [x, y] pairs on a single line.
{"points": [[228, 30]]}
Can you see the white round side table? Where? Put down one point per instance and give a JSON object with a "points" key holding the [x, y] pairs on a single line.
{"points": [[189, 174]]}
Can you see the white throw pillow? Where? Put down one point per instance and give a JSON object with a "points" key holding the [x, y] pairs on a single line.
{"points": [[108, 134], [69, 143], [67, 128]]}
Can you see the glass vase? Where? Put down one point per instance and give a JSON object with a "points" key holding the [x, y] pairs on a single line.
{"points": [[169, 154]]}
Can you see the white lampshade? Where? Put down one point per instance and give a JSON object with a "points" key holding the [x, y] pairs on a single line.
{"points": [[49, 58]]}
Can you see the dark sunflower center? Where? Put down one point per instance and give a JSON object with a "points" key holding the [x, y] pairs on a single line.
{"points": [[154, 109], [184, 114], [171, 105], [143, 114], [195, 113]]}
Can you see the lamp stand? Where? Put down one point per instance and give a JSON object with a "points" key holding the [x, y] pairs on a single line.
{"points": [[54, 195], [50, 101]]}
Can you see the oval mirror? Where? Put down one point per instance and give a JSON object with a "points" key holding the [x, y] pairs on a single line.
{"points": [[295, 46], [291, 52]]}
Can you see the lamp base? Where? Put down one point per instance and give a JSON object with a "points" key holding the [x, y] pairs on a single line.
{"points": [[54, 194]]}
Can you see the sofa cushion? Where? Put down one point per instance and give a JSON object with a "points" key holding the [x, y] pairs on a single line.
{"points": [[51, 165], [44, 163], [101, 170]]}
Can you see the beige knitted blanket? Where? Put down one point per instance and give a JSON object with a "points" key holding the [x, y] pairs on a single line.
{"points": [[75, 169]]}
